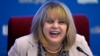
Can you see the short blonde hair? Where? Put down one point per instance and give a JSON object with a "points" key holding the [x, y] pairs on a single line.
{"points": [[41, 16]]}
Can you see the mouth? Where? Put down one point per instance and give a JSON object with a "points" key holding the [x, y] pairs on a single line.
{"points": [[54, 33]]}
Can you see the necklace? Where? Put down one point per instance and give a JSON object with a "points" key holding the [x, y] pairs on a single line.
{"points": [[54, 51]]}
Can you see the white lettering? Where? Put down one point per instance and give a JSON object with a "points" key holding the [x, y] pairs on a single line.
{"points": [[95, 30], [88, 1], [5, 30], [32, 1]]}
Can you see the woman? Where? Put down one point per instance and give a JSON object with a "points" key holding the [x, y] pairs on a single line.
{"points": [[53, 34]]}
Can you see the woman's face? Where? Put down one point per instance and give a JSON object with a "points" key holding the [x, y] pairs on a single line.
{"points": [[54, 28]]}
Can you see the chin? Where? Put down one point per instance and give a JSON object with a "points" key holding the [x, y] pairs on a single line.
{"points": [[55, 42]]}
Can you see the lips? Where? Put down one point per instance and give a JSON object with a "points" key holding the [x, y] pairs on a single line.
{"points": [[54, 33]]}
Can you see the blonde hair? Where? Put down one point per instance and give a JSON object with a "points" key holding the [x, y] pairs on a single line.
{"points": [[63, 12]]}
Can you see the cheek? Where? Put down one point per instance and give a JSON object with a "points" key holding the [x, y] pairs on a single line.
{"points": [[64, 28], [45, 28]]}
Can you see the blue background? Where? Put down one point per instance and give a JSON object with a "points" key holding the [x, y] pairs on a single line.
{"points": [[10, 8]]}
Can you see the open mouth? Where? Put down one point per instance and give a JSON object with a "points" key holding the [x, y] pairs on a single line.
{"points": [[54, 33]]}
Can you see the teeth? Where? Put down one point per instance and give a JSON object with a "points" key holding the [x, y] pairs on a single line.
{"points": [[54, 32]]}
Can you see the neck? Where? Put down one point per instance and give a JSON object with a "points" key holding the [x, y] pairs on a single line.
{"points": [[54, 48]]}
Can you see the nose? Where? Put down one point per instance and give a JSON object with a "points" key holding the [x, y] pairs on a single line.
{"points": [[55, 25]]}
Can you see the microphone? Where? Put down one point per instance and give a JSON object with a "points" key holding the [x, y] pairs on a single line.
{"points": [[80, 49]]}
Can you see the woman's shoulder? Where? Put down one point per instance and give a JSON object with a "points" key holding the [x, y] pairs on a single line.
{"points": [[22, 45], [82, 43], [26, 40], [79, 38], [25, 37]]}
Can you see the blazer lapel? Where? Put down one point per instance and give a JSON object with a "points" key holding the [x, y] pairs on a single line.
{"points": [[33, 47], [32, 51]]}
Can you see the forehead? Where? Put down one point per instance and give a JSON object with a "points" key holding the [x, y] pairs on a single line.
{"points": [[56, 12]]}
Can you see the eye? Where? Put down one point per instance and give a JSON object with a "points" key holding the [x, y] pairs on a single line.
{"points": [[61, 22], [49, 21]]}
